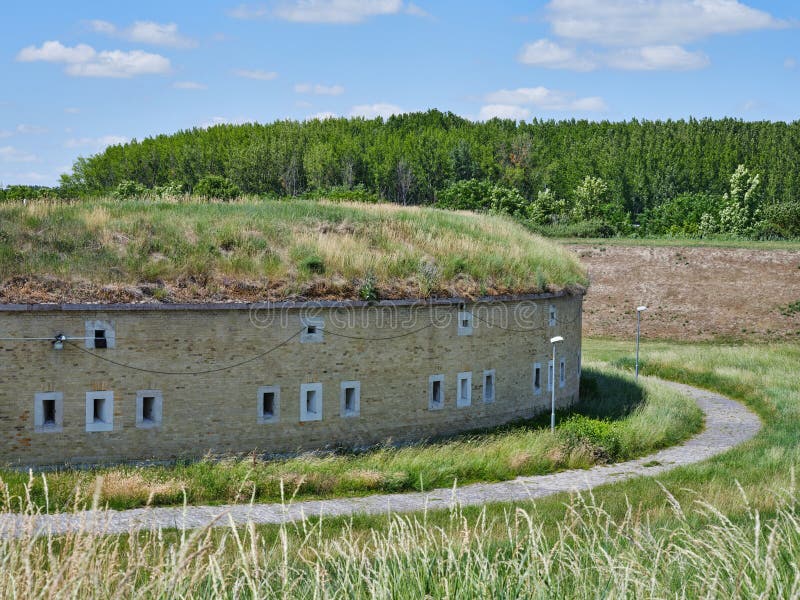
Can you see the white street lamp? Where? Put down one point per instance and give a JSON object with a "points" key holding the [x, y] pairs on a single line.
{"points": [[639, 311], [552, 374]]}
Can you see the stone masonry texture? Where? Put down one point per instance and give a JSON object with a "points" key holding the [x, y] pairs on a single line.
{"points": [[390, 348]]}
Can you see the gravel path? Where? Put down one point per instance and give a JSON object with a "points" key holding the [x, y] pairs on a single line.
{"points": [[728, 423]]}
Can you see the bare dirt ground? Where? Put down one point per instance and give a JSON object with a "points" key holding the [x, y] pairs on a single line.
{"points": [[692, 293]]}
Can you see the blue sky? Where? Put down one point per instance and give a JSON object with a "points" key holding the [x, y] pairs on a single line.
{"points": [[79, 75]]}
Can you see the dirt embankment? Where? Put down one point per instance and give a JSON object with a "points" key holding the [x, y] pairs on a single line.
{"points": [[692, 293]]}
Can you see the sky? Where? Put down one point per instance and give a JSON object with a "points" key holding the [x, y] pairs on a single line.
{"points": [[78, 76]]}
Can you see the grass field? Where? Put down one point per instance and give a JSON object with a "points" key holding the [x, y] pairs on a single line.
{"points": [[102, 250], [617, 420], [724, 528]]}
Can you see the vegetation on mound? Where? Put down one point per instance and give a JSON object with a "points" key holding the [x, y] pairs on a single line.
{"points": [[257, 250], [616, 420]]}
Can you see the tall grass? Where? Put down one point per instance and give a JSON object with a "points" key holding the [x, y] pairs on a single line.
{"points": [[588, 554], [616, 420], [195, 250]]}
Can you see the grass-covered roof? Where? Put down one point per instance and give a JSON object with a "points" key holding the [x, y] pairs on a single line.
{"points": [[258, 250]]}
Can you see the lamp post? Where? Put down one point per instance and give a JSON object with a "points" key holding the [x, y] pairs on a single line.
{"points": [[554, 341], [639, 311]]}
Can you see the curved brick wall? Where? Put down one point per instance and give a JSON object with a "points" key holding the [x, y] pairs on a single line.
{"points": [[388, 351]]}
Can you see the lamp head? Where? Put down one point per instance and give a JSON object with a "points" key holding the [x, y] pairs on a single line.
{"points": [[558, 338], [641, 308], [58, 341]]}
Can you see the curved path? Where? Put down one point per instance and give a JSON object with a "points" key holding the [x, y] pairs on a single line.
{"points": [[728, 423]]}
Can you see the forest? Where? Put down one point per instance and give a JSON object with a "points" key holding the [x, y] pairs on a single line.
{"points": [[690, 177]]}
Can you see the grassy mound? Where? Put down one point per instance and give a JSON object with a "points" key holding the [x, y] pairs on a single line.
{"points": [[117, 251], [616, 420]]}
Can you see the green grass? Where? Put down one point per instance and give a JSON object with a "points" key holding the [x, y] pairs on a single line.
{"points": [[617, 420], [193, 250]]}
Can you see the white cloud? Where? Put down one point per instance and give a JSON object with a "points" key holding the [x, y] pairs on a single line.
{"points": [[380, 109], [119, 64], [652, 58], [790, 63], [189, 85], [749, 105], [503, 111], [55, 51], [84, 61], [25, 129], [158, 34], [336, 11], [103, 27], [543, 98], [326, 114], [248, 12], [95, 143], [256, 74], [5, 133], [9, 154], [416, 11], [319, 89], [71, 110], [327, 11], [27, 177], [548, 54], [146, 32], [224, 121], [653, 22], [650, 33]]}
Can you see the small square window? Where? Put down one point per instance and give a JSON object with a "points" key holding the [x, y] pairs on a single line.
{"points": [[562, 373], [149, 408], [99, 411], [48, 411], [552, 317], [269, 403], [436, 392], [99, 335], [312, 330], [465, 322], [311, 402], [464, 388], [488, 386], [350, 400], [537, 378]]}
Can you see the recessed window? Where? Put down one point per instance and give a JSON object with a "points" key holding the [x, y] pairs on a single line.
{"points": [[464, 387], [465, 322], [436, 392], [537, 378], [312, 330], [48, 411], [549, 375], [552, 316], [149, 408], [562, 373], [268, 403], [350, 399], [99, 335], [100, 411], [311, 402], [488, 386]]}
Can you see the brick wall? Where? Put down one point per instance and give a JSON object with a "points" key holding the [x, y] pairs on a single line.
{"points": [[218, 411]]}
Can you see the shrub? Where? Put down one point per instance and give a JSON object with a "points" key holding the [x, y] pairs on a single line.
{"points": [[128, 189], [483, 195], [781, 220], [216, 187]]}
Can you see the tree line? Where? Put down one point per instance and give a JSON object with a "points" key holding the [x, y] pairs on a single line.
{"points": [[575, 176]]}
